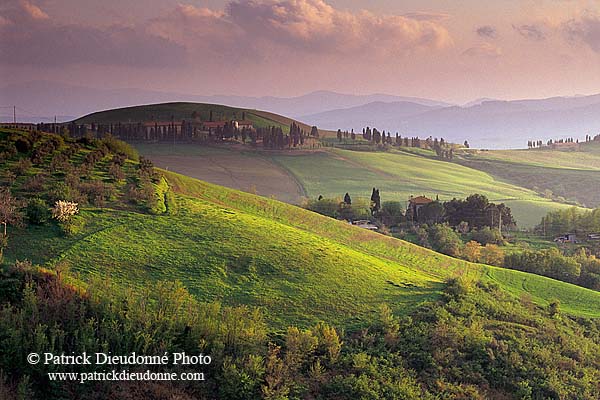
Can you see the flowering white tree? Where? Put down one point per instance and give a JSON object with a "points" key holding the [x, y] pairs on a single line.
{"points": [[9, 210], [63, 211]]}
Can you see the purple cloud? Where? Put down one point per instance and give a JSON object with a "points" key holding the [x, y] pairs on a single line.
{"points": [[584, 30], [487, 31], [532, 32]]}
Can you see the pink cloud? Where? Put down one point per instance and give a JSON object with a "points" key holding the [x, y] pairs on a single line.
{"points": [[32, 10], [30, 37], [256, 30], [485, 50], [314, 25]]}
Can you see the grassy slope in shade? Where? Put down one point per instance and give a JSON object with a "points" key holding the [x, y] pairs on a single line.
{"points": [[399, 175]]}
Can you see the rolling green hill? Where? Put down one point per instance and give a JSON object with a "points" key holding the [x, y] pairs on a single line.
{"points": [[334, 172], [400, 174], [239, 248], [300, 267], [183, 111], [563, 175], [157, 262]]}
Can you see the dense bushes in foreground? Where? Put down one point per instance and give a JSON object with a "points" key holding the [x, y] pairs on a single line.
{"points": [[477, 342]]}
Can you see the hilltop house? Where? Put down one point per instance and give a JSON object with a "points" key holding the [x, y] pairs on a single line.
{"points": [[244, 124], [213, 125]]}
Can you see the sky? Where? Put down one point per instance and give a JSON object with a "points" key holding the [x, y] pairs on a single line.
{"points": [[447, 50]]}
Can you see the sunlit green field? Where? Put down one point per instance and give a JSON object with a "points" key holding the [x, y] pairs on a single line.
{"points": [[238, 248], [399, 175], [587, 159]]}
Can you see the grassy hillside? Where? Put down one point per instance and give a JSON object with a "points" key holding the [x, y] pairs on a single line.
{"points": [[300, 267], [234, 167], [563, 175], [183, 111], [401, 254], [401, 174], [477, 336], [240, 248]]}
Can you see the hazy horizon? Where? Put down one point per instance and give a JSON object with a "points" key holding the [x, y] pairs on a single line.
{"points": [[310, 92]]}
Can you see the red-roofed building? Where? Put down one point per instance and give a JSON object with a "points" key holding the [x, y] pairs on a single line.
{"points": [[415, 204]]}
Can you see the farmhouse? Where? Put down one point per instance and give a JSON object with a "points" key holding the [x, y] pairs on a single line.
{"points": [[213, 125], [244, 124], [566, 238], [415, 204], [365, 224]]}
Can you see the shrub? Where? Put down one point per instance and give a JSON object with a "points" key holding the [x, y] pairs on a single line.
{"points": [[324, 206], [37, 211], [554, 307], [116, 172], [59, 163], [23, 145], [67, 192], [549, 262], [359, 209], [117, 146], [491, 254], [392, 213], [133, 194], [487, 235], [146, 169], [73, 226], [445, 240], [97, 192], [170, 202], [457, 288], [22, 166], [472, 251], [35, 183]]}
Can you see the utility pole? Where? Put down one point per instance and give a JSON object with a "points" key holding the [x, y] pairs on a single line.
{"points": [[500, 223], [15, 115]]}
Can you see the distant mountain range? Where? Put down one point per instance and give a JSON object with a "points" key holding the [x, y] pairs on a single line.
{"points": [[43, 100], [485, 123]]}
